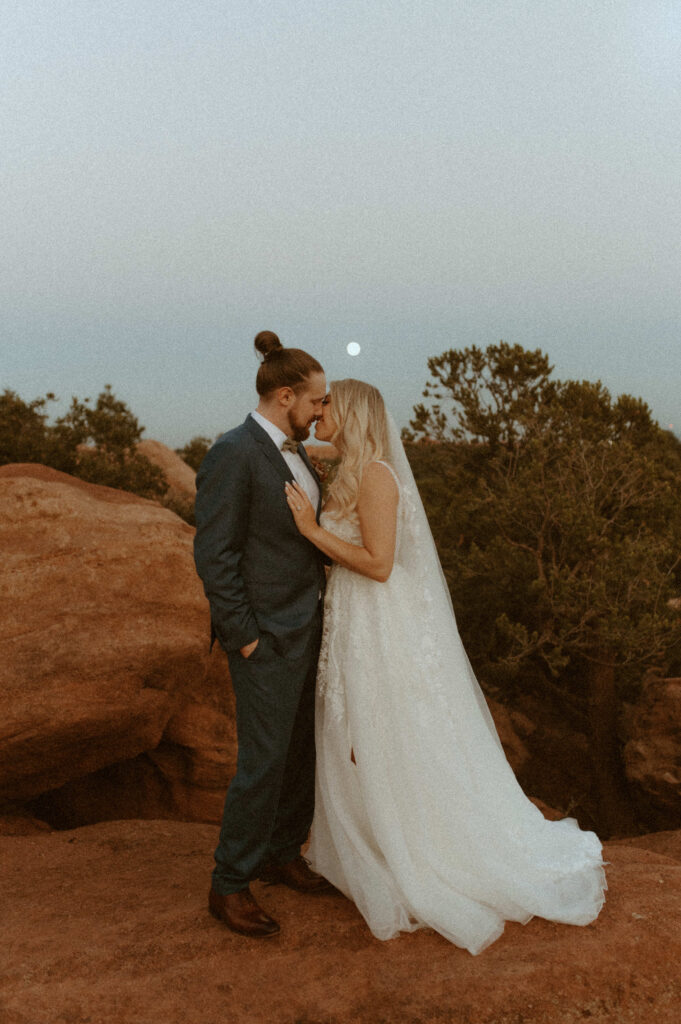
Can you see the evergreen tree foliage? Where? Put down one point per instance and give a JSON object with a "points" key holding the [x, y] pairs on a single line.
{"points": [[195, 451], [97, 443], [555, 510]]}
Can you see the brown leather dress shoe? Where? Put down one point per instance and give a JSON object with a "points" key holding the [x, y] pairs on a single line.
{"points": [[241, 913], [296, 874]]}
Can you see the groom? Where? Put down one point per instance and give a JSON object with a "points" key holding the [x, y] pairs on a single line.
{"points": [[264, 583]]}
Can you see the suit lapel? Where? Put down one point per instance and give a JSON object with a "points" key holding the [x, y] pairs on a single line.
{"points": [[269, 449]]}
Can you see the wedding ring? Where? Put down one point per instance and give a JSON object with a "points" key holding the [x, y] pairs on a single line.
{"points": [[299, 508]]}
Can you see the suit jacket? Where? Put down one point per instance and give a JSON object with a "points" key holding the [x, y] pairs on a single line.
{"points": [[259, 573]]}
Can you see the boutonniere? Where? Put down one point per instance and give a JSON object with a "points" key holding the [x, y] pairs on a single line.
{"points": [[325, 469]]}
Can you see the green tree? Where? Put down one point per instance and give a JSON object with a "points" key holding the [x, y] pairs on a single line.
{"points": [[26, 437], [195, 451], [107, 435], [96, 443], [109, 425], [560, 537], [493, 393]]}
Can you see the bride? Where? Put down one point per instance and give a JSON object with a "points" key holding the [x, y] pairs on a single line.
{"points": [[418, 816]]}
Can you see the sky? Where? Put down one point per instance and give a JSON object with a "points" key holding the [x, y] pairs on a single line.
{"points": [[411, 175]]}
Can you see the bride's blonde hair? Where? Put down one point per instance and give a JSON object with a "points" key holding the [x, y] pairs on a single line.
{"points": [[362, 437]]}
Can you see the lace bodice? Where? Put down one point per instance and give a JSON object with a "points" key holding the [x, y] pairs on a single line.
{"points": [[348, 529]]}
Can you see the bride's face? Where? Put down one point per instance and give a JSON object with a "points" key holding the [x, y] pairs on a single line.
{"points": [[326, 427]]}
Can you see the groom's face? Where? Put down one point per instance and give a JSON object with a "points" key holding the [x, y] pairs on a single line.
{"points": [[306, 407]]}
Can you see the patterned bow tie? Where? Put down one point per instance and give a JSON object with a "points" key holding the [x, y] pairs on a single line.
{"points": [[290, 445]]}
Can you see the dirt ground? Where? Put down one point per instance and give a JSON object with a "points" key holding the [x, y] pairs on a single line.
{"points": [[108, 925]]}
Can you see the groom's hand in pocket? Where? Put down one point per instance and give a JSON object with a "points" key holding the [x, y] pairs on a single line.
{"points": [[249, 648]]}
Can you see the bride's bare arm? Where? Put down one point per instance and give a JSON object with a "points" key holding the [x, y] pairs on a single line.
{"points": [[377, 511]]}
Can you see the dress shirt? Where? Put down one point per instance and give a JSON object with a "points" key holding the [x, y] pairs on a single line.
{"points": [[301, 473]]}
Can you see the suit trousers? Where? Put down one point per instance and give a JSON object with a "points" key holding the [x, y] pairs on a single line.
{"points": [[270, 801]]}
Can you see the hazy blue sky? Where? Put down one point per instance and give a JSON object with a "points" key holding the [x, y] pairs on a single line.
{"points": [[413, 176]]}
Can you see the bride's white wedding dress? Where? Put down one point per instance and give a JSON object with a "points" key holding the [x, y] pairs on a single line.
{"points": [[428, 826]]}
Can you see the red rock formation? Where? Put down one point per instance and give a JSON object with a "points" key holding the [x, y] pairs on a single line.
{"points": [[181, 477], [652, 750], [104, 645], [185, 777], [17, 824]]}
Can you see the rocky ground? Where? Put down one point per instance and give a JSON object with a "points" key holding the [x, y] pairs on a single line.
{"points": [[107, 925]]}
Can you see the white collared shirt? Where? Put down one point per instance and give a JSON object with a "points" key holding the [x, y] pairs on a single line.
{"points": [[301, 474]]}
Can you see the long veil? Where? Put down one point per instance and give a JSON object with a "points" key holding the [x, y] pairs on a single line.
{"points": [[417, 554]]}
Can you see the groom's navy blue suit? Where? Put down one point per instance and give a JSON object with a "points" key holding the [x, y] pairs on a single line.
{"points": [[263, 580]]}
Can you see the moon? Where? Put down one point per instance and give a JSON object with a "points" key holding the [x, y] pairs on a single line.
{"points": [[354, 349]]}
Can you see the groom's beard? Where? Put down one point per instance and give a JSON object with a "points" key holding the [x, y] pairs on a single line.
{"points": [[298, 431]]}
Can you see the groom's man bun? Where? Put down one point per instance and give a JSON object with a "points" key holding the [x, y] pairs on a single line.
{"points": [[267, 342], [282, 367]]}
